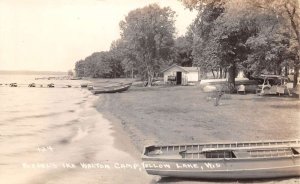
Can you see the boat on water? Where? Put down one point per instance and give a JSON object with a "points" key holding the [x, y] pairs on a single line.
{"points": [[112, 89], [31, 85], [51, 85], [84, 85], [76, 78], [90, 87], [13, 85], [244, 160]]}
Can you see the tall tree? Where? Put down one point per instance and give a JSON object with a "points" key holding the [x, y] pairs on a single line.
{"points": [[149, 35], [288, 10], [183, 50], [79, 68], [204, 43], [116, 56], [95, 65], [236, 34]]}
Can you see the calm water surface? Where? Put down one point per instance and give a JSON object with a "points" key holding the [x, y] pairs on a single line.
{"points": [[44, 132]]}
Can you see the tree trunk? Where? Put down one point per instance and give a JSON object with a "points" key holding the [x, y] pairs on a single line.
{"points": [[221, 73], [296, 73], [296, 70], [199, 74], [231, 77], [212, 71], [150, 78]]}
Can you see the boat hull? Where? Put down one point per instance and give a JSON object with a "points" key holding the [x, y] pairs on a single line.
{"points": [[111, 90], [244, 160], [225, 168]]}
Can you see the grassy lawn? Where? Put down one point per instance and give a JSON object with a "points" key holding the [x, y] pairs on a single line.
{"points": [[186, 114]]}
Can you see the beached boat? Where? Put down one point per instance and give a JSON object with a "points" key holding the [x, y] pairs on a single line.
{"points": [[245, 160], [112, 89]]}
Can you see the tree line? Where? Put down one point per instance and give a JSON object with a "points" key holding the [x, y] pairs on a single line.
{"points": [[227, 36]]}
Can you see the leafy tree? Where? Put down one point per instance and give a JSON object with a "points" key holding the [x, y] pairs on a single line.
{"points": [[115, 56], [201, 4], [70, 73], [287, 10], [79, 68], [95, 65], [183, 50], [235, 34], [204, 43], [149, 37]]}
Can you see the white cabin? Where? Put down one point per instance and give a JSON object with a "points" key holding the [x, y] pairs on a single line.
{"points": [[181, 75]]}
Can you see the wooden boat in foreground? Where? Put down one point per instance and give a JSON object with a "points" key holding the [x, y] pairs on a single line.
{"points": [[245, 160], [112, 89]]}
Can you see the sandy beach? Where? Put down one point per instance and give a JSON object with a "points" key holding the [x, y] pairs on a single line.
{"points": [[181, 114]]}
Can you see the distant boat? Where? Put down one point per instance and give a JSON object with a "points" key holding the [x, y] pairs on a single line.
{"points": [[67, 86], [90, 87], [84, 85], [76, 78], [245, 160], [13, 85], [32, 85], [112, 89], [51, 85]]}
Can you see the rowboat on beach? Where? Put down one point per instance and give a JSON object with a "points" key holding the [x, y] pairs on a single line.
{"points": [[112, 89], [244, 160]]}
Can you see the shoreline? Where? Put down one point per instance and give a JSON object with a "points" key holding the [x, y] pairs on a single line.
{"points": [[122, 142], [143, 116]]}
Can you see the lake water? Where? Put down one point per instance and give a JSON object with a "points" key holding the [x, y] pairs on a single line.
{"points": [[47, 133]]}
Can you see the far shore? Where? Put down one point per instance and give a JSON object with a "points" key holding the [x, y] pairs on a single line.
{"points": [[184, 114]]}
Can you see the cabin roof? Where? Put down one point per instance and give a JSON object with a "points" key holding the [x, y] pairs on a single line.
{"points": [[191, 69], [184, 69]]}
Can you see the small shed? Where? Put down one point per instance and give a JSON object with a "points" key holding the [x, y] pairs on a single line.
{"points": [[181, 75]]}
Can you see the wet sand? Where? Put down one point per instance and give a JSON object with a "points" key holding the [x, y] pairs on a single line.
{"points": [[185, 114]]}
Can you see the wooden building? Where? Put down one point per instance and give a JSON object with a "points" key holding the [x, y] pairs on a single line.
{"points": [[181, 75]]}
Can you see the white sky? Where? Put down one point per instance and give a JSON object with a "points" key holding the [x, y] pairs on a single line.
{"points": [[54, 34]]}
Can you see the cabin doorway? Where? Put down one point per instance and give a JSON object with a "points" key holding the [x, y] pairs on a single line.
{"points": [[178, 78]]}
